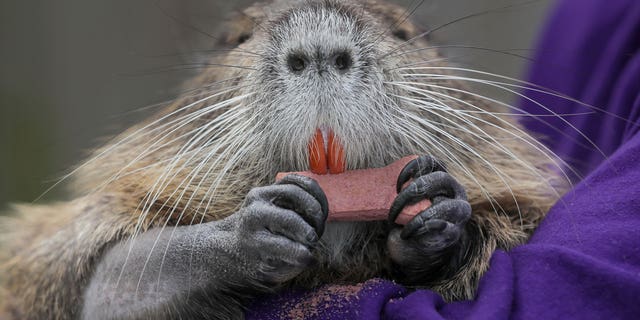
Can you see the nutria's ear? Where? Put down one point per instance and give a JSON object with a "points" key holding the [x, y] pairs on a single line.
{"points": [[237, 29], [408, 30], [401, 34], [397, 19]]}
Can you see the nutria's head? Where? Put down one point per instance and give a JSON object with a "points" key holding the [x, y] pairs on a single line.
{"points": [[331, 67], [361, 70], [352, 80]]}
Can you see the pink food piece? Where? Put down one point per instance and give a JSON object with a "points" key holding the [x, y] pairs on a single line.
{"points": [[364, 195]]}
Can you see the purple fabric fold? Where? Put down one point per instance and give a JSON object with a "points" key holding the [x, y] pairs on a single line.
{"points": [[589, 52], [583, 262]]}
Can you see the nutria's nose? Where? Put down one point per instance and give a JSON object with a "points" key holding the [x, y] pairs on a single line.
{"points": [[340, 61]]}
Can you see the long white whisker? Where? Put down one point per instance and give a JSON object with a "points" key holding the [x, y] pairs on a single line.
{"points": [[155, 143], [466, 147], [403, 127], [527, 85], [537, 146], [121, 142], [546, 149], [189, 177], [146, 206]]}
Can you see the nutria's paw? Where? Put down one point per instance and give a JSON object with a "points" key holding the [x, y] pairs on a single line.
{"points": [[429, 246], [279, 226]]}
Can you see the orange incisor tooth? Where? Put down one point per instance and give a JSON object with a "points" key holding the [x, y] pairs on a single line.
{"points": [[336, 155], [317, 156]]}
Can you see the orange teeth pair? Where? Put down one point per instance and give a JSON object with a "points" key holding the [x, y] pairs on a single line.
{"points": [[326, 156]]}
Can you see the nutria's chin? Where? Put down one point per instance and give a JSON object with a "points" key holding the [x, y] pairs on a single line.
{"points": [[309, 64]]}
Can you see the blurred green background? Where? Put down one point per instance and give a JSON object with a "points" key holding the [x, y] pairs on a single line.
{"points": [[73, 72]]}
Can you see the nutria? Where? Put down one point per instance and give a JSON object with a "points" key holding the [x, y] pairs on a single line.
{"points": [[179, 216]]}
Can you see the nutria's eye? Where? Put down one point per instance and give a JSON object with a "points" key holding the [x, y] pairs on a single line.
{"points": [[243, 38], [296, 62], [342, 61], [401, 34]]}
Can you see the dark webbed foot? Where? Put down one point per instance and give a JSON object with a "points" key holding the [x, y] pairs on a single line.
{"points": [[281, 225], [432, 245]]}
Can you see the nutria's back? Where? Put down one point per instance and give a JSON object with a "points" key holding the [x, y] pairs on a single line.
{"points": [[296, 66]]}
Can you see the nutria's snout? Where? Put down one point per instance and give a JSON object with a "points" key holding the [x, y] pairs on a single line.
{"points": [[319, 62], [320, 50]]}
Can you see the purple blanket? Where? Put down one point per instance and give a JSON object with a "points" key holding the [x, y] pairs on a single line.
{"points": [[584, 260]]}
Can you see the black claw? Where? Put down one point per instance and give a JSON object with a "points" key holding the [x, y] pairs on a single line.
{"points": [[313, 188], [437, 187], [418, 167], [451, 213]]}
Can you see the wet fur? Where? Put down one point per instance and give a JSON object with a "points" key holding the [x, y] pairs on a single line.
{"points": [[50, 251]]}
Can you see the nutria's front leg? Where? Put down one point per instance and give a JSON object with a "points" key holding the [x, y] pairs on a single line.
{"points": [[432, 246], [208, 270]]}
